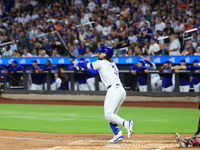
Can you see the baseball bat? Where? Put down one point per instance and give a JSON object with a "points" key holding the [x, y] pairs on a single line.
{"points": [[64, 45]]}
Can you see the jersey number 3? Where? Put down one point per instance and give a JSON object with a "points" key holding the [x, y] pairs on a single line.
{"points": [[115, 70]]}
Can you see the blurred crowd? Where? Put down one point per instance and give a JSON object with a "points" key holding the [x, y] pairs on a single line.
{"points": [[131, 27]]}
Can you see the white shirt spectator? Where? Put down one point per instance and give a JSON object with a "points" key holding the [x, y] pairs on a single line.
{"points": [[179, 28], [7, 53], [91, 6], [13, 47], [18, 19], [160, 26], [33, 33], [106, 30], [99, 28], [115, 9], [34, 16], [27, 55], [58, 83], [88, 54], [26, 18], [104, 6], [174, 44], [85, 19], [132, 39], [153, 49]]}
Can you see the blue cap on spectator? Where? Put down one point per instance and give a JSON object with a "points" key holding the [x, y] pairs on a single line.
{"points": [[153, 38], [14, 61], [196, 61], [34, 61], [104, 37], [87, 38], [123, 51], [182, 60], [82, 30], [142, 62], [167, 62], [185, 48]]}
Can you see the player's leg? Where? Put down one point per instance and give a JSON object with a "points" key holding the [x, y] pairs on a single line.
{"points": [[86, 87], [169, 89], [159, 86], [81, 87], [53, 86], [186, 88], [154, 83], [197, 87], [181, 89], [114, 99], [40, 87], [33, 87], [91, 83]]}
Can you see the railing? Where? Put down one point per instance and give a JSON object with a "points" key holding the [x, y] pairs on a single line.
{"points": [[71, 74]]}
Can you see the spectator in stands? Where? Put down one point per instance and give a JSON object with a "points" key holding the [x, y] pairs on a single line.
{"points": [[23, 41], [118, 40], [36, 78], [168, 30], [142, 77], [55, 53], [154, 47], [13, 46], [174, 47], [98, 27], [39, 46], [146, 32], [107, 29], [47, 45], [160, 25], [132, 37], [179, 27], [42, 53], [7, 51], [197, 51], [82, 35], [88, 52], [105, 42], [82, 48], [26, 53], [34, 53], [184, 52]]}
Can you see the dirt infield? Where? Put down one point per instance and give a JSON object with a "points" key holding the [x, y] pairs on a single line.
{"points": [[19, 140]]}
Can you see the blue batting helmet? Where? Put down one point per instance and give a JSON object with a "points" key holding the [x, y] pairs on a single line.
{"points": [[107, 50]]}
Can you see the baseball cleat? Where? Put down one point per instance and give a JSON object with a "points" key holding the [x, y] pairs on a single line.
{"points": [[129, 128], [116, 138], [179, 140]]}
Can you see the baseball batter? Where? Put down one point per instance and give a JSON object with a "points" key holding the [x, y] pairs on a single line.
{"points": [[115, 95]]}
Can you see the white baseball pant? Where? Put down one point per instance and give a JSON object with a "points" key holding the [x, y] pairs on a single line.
{"points": [[143, 88], [154, 82], [184, 88], [115, 96], [196, 87], [168, 89], [83, 87], [91, 83], [75, 86], [36, 87], [52, 86]]}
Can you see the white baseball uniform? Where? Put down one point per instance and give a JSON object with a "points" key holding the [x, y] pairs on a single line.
{"points": [[155, 78], [116, 94]]}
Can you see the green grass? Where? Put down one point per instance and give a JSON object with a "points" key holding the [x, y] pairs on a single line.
{"points": [[90, 119]]}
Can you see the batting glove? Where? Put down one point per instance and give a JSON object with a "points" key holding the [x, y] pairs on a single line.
{"points": [[75, 62]]}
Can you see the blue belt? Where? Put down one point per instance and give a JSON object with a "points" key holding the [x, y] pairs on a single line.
{"points": [[111, 85]]}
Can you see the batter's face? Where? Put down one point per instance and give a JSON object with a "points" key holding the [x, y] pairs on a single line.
{"points": [[101, 56]]}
